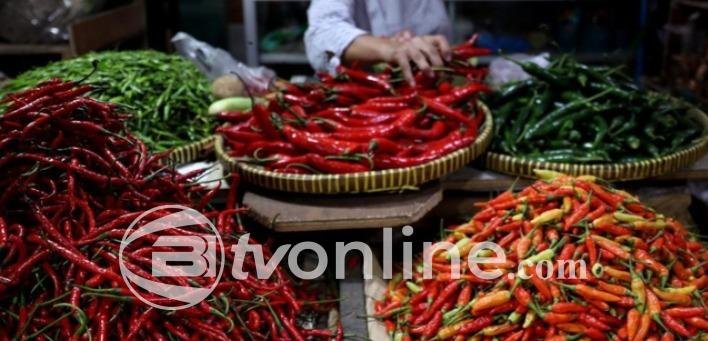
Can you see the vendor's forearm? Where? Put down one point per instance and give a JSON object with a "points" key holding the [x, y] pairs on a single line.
{"points": [[368, 49]]}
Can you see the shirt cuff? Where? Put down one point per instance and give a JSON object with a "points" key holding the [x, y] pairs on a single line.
{"points": [[341, 41]]}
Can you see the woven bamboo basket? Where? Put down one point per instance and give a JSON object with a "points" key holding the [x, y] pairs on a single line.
{"points": [[192, 152], [616, 171], [366, 182]]}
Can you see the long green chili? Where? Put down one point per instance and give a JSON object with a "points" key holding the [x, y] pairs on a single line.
{"points": [[167, 95]]}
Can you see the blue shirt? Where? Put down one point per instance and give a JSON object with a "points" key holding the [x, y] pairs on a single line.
{"points": [[334, 24]]}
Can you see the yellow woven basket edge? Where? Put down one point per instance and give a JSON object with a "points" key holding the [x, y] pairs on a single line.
{"points": [[617, 171], [193, 151]]}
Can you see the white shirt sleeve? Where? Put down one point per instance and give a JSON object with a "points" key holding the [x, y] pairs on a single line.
{"points": [[330, 31]]}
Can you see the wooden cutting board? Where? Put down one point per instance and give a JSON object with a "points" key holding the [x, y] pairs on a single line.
{"points": [[288, 212]]}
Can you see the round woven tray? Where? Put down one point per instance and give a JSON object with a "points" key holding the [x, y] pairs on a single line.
{"points": [[366, 182], [192, 152], [614, 171]]}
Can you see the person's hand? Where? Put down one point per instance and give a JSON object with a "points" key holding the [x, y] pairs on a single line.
{"points": [[403, 36], [423, 51]]}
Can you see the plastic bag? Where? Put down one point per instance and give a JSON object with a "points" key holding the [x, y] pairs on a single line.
{"points": [[502, 71], [215, 62], [42, 21]]}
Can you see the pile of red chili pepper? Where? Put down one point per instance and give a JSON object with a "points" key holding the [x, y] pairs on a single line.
{"points": [[72, 179], [359, 121], [644, 277]]}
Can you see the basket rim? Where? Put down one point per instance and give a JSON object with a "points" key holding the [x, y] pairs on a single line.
{"points": [[206, 144], [698, 147], [483, 139]]}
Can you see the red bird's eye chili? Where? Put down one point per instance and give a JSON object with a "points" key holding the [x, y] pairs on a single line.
{"points": [[322, 145], [464, 93], [685, 312], [407, 98], [675, 325], [334, 166], [293, 99], [258, 148], [364, 77], [356, 110], [438, 130], [71, 200], [357, 91], [265, 121], [233, 117], [447, 112]]}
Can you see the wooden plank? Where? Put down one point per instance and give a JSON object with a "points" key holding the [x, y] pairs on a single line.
{"points": [[353, 304], [107, 28], [699, 171], [473, 178], [695, 4], [476, 179], [375, 290], [33, 49], [287, 212]]}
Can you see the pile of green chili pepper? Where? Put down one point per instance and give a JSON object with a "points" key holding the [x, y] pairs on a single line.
{"points": [[575, 113], [167, 95]]}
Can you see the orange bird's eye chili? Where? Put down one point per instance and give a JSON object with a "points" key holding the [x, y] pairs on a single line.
{"points": [[635, 288]]}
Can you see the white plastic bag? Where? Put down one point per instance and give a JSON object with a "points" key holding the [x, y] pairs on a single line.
{"points": [[503, 70], [215, 62]]}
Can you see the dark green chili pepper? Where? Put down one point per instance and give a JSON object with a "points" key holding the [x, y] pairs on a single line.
{"points": [[616, 123], [560, 143], [501, 115], [543, 74], [599, 124], [597, 115], [633, 142], [683, 136], [511, 91], [521, 119], [613, 90], [574, 135], [666, 120], [545, 125], [652, 149], [626, 126], [650, 131]]}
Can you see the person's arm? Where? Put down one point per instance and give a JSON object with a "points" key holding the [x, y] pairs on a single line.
{"points": [[370, 49], [332, 34], [331, 30]]}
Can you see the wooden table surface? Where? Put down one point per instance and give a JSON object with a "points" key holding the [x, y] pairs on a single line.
{"points": [[473, 178], [291, 212]]}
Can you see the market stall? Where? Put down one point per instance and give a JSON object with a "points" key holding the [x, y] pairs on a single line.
{"points": [[475, 195]]}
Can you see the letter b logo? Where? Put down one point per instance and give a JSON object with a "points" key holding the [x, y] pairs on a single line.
{"points": [[165, 251], [198, 261]]}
